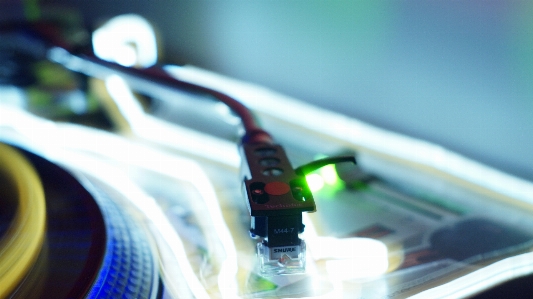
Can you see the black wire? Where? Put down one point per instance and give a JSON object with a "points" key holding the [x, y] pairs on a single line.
{"points": [[312, 166]]}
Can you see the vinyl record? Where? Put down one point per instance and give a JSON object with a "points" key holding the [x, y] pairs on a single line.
{"points": [[22, 218], [90, 249]]}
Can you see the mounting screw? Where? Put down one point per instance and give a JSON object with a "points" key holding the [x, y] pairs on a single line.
{"points": [[258, 191]]}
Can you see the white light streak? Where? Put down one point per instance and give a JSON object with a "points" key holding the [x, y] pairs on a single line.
{"points": [[152, 129], [128, 105], [128, 40], [117, 180], [351, 133], [347, 258], [483, 279], [124, 151], [65, 144]]}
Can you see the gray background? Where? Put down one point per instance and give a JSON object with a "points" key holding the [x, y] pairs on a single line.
{"points": [[456, 73]]}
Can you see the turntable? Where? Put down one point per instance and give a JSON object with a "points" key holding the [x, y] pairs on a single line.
{"points": [[149, 204]]}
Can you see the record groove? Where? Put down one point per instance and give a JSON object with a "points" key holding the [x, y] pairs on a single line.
{"points": [[91, 248]]}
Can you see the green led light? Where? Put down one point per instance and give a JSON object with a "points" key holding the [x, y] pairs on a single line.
{"points": [[329, 174], [315, 182]]}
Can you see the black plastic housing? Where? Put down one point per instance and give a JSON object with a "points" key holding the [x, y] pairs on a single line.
{"points": [[276, 194]]}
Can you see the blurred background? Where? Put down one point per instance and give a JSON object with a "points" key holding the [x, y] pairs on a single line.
{"points": [[455, 73]]}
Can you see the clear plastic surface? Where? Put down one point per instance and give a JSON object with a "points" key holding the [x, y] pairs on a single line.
{"points": [[281, 260]]}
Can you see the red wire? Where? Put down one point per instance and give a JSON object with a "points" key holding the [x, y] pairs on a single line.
{"points": [[155, 77], [152, 81]]}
